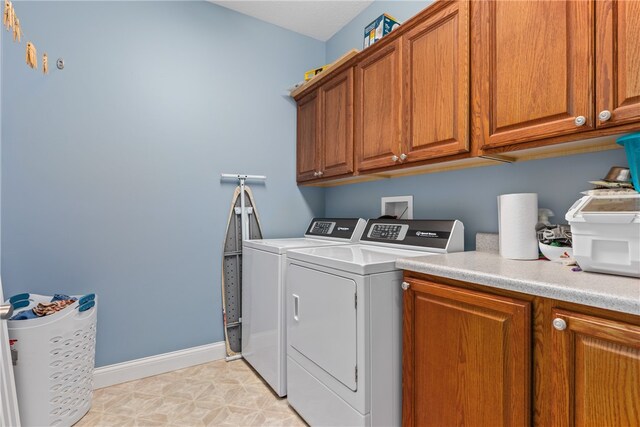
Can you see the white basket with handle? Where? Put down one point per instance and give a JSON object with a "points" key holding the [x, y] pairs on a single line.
{"points": [[55, 362]]}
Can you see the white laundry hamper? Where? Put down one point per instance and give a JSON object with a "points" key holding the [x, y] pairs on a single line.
{"points": [[55, 362]]}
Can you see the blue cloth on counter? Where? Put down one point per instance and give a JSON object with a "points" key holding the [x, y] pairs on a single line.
{"points": [[24, 315]]}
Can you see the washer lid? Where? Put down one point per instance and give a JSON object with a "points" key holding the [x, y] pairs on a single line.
{"points": [[280, 246], [358, 259]]}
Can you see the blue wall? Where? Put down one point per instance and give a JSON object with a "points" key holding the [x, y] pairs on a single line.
{"points": [[110, 168], [468, 195]]}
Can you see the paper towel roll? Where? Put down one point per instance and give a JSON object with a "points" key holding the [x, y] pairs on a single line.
{"points": [[517, 219]]}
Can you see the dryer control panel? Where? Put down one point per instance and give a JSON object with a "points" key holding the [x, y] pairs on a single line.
{"points": [[388, 231], [347, 229], [431, 235]]}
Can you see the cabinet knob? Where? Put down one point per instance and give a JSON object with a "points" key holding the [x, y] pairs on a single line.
{"points": [[403, 157], [320, 173], [559, 324], [604, 115], [395, 158], [405, 286], [580, 121], [315, 174]]}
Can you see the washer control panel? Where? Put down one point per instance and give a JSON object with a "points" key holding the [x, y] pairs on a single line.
{"points": [[392, 232], [340, 229], [322, 227]]}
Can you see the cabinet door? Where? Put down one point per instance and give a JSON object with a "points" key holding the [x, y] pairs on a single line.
{"points": [[532, 70], [617, 62], [307, 138], [378, 108], [466, 358], [336, 125], [596, 372], [436, 90]]}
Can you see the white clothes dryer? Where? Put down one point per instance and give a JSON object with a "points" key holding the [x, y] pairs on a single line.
{"points": [[263, 304], [344, 322]]}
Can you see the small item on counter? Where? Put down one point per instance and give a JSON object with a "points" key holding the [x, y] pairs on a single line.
{"points": [[618, 174], [517, 219], [605, 231], [543, 217], [576, 269], [609, 192], [631, 144], [556, 253], [555, 243], [379, 28], [611, 184]]}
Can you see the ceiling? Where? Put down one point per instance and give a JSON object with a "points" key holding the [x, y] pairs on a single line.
{"points": [[319, 19]]}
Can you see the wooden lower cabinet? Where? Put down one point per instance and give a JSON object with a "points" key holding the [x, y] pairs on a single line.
{"points": [[596, 377], [479, 356], [466, 358]]}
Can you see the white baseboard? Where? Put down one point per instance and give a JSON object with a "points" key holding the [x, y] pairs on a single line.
{"points": [[106, 376]]}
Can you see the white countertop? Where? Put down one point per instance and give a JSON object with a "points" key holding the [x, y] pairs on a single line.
{"points": [[541, 278]]}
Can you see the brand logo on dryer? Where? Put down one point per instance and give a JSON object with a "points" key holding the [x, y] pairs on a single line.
{"points": [[343, 228], [426, 234]]}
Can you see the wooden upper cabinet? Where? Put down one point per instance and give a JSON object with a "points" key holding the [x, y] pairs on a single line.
{"points": [[436, 84], [378, 105], [466, 358], [336, 125], [617, 62], [307, 137], [532, 70], [596, 372]]}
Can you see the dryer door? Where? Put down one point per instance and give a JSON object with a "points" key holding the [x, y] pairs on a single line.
{"points": [[322, 321]]}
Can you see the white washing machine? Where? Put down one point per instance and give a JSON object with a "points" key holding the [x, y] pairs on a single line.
{"points": [[263, 304], [344, 322]]}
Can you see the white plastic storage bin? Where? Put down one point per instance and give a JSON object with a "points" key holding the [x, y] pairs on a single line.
{"points": [[606, 234], [55, 362]]}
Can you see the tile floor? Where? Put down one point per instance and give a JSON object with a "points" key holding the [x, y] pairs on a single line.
{"points": [[213, 394]]}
